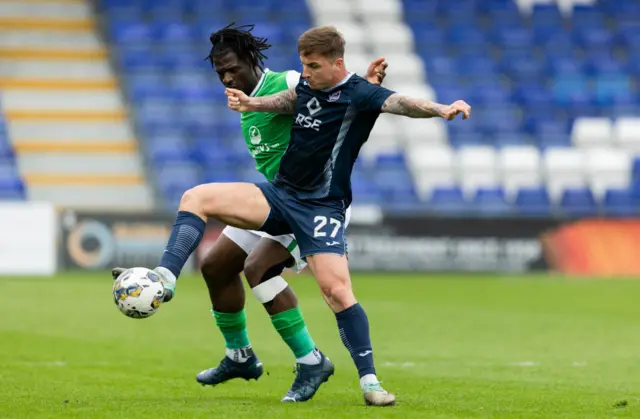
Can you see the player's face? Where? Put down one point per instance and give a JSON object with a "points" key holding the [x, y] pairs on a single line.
{"points": [[236, 73], [321, 72]]}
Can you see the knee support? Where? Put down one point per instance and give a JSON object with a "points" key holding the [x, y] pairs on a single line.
{"points": [[271, 284]]}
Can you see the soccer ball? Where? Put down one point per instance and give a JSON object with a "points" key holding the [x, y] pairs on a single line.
{"points": [[138, 292]]}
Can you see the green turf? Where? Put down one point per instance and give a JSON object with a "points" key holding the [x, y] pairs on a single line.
{"points": [[449, 347]]}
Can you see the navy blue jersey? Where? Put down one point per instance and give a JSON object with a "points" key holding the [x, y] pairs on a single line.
{"points": [[329, 128]]}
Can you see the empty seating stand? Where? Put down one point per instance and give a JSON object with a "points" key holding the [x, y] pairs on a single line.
{"points": [[555, 127]]}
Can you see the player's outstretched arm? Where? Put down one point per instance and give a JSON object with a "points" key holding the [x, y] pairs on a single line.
{"points": [[398, 104], [283, 102]]}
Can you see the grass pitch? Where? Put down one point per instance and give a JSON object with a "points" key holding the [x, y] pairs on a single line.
{"points": [[449, 347]]}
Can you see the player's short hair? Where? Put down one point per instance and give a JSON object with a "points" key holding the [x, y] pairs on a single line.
{"points": [[241, 41], [323, 40]]}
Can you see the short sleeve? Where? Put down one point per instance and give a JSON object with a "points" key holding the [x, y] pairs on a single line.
{"points": [[370, 97], [293, 78]]}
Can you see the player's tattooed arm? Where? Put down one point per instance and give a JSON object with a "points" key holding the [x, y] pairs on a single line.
{"points": [[398, 104], [283, 102]]}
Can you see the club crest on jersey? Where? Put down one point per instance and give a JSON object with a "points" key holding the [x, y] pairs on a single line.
{"points": [[254, 135], [334, 96]]}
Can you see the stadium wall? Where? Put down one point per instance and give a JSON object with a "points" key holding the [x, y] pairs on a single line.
{"points": [[592, 247]]}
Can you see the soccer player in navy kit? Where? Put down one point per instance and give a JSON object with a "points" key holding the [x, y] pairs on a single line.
{"points": [[334, 112]]}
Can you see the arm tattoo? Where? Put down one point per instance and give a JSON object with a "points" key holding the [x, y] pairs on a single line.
{"points": [[398, 104], [283, 102]]}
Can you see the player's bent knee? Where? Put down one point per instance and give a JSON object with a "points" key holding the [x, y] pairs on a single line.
{"points": [[257, 272], [192, 200], [268, 290], [339, 296]]}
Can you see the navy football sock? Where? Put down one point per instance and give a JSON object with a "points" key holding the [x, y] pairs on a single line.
{"points": [[185, 237], [354, 332]]}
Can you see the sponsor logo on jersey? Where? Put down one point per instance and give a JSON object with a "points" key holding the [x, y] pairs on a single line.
{"points": [[334, 96], [254, 135], [264, 148], [314, 106], [307, 121]]}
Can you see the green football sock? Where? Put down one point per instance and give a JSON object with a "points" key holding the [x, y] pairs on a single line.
{"points": [[234, 328], [291, 327]]}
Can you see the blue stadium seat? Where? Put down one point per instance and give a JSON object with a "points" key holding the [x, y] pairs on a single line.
{"points": [[127, 32], [394, 161], [578, 202], [12, 189], [533, 201], [448, 200], [620, 203], [491, 201], [515, 37], [591, 37], [547, 16], [6, 151]]}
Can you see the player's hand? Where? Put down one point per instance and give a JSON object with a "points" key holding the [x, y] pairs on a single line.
{"points": [[458, 107], [376, 71], [238, 100]]}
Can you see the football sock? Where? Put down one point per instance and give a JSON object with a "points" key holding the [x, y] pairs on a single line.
{"points": [[234, 330], [291, 327], [354, 332], [185, 237]]}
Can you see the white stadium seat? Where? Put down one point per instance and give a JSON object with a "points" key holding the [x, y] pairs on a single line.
{"points": [[354, 36], [626, 132], [379, 10], [424, 131], [563, 168], [431, 166], [526, 6], [421, 91], [566, 6], [404, 69], [384, 138], [592, 132], [519, 167], [356, 62], [607, 168], [477, 167], [390, 37]]}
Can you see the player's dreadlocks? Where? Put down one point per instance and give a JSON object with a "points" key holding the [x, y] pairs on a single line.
{"points": [[239, 40]]}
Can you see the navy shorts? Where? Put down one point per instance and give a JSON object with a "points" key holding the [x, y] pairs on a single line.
{"points": [[318, 225]]}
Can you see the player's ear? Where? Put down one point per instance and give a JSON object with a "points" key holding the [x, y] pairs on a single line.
{"points": [[339, 62]]}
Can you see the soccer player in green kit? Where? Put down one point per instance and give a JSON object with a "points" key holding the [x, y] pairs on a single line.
{"points": [[237, 56]]}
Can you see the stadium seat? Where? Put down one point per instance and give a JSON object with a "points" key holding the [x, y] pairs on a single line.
{"points": [[383, 139], [626, 132], [620, 203], [607, 168], [519, 167], [491, 201], [592, 132], [477, 167], [432, 166], [533, 201], [379, 11], [578, 202], [563, 168], [448, 200]]}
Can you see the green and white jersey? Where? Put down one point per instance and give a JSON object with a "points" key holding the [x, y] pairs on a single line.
{"points": [[267, 134]]}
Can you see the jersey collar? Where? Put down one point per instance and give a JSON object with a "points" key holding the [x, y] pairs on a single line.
{"points": [[343, 81], [260, 82]]}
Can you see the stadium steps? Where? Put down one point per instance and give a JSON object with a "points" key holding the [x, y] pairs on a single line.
{"points": [[65, 115]]}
